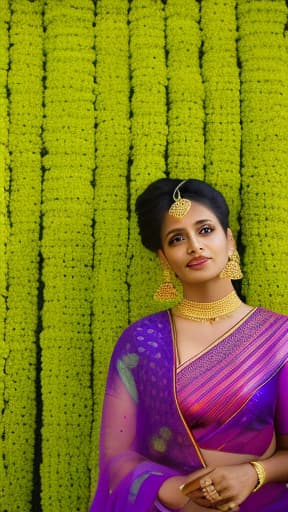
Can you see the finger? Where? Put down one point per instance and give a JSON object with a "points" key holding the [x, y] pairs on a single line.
{"points": [[229, 506], [211, 493], [224, 493], [205, 481], [233, 507], [196, 494], [204, 503]]}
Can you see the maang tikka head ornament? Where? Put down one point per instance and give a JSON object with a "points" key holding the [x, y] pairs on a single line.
{"points": [[181, 206]]}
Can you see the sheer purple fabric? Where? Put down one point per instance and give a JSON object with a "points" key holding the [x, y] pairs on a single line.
{"points": [[146, 437]]}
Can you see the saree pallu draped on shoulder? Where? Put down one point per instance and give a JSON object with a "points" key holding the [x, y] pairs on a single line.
{"points": [[229, 394], [144, 437]]}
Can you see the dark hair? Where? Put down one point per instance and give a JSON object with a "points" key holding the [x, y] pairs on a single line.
{"points": [[157, 198]]}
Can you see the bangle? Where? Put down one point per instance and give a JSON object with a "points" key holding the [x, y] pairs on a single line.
{"points": [[261, 474]]}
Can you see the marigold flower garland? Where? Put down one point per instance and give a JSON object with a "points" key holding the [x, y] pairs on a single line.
{"points": [[70, 288], [222, 102], [264, 96], [185, 90], [149, 132], [110, 305], [67, 249], [25, 88], [4, 221]]}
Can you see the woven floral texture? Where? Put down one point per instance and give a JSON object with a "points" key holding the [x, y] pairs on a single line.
{"points": [[98, 99]]}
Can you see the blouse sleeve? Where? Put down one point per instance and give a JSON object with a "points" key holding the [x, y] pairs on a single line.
{"points": [[282, 402]]}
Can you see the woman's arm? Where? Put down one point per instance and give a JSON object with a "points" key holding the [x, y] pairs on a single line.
{"points": [[233, 483], [170, 495], [127, 479], [276, 467]]}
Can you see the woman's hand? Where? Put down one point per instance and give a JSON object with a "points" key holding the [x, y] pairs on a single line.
{"points": [[233, 484], [172, 497], [225, 488], [193, 507]]}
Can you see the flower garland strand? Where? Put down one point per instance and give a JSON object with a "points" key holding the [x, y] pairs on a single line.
{"points": [[149, 133], [222, 102], [264, 99], [25, 87], [110, 305], [67, 249], [72, 291], [4, 203], [185, 90]]}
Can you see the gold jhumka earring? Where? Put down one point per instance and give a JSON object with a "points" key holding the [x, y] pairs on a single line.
{"points": [[232, 269], [166, 290], [181, 206]]}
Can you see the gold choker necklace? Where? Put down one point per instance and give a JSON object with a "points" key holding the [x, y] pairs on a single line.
{"points": [[207, 311]]}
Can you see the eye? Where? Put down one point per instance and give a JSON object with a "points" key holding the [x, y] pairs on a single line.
{"points": [[205, 230], [176, 239]]}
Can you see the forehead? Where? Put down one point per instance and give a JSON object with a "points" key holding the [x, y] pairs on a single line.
{"points": [[198, 212]]}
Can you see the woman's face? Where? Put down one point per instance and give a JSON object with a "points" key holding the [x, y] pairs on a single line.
{"points": [[196, 246]]}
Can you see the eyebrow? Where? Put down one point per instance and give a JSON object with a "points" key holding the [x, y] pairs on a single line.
{"points": [[176, 230]]}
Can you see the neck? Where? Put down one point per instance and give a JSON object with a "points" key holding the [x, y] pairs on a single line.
{"points": [[208, 292], [208, 311]]}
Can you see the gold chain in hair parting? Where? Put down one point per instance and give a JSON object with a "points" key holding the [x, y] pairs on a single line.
{"points": [[181, 206]]}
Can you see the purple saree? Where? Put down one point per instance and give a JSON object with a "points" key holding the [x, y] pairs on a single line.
{"points": [[230, 398]]}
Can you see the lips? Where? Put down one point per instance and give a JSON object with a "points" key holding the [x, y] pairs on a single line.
{"points": [[197, 262]]}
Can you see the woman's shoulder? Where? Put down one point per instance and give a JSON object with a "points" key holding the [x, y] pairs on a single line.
{"points": [[272, 328], [273, 315], [149, 323], [148, 328]]}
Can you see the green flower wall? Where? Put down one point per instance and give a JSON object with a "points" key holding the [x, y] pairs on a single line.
{"points": [[97, 99]]}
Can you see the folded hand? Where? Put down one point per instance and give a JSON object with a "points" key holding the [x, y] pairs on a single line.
{"points": [[223, 488]]}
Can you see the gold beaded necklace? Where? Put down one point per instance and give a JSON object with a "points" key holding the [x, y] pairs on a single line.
{"points": [[207, 311]]}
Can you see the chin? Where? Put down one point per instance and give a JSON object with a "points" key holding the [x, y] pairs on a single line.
{"points": [[204, 279]]}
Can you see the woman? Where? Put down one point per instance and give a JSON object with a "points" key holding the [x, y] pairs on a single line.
{"points": [[198, 390]]}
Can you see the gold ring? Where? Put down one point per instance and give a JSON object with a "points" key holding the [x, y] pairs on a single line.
{"points": [[210, 488], [211, 493], [205, 482]]}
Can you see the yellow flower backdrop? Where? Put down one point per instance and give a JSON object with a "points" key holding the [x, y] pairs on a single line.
{"points": [[97, 99]]}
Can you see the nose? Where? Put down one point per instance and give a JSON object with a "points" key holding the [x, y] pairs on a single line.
{"points": [[193, 245]]}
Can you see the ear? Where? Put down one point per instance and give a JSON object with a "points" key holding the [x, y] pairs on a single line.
{"points": [[231, 242], [161, 256], [163, 260]]}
